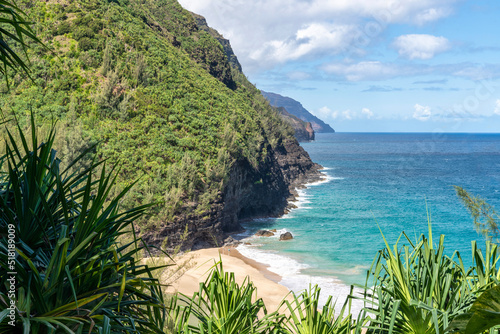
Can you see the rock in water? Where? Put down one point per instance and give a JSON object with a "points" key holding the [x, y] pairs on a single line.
{"points": [[264, 233], [230, 241], [286, 236]]}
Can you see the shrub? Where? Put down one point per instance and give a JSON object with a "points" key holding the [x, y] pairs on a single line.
{"points": [[63, 28], [223, 306], [418, 289], [82, 32], [72, 274], [85, 44]]}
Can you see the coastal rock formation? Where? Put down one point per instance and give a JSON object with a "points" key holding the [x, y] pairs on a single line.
{"points": [[286, 236], [250, 193], [303, 130], [295, 108], [231, 242], [201, 22], [264, 233], [165, 98]]}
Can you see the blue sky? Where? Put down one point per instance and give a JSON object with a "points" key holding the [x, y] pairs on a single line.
{"points": [[372, 65]]}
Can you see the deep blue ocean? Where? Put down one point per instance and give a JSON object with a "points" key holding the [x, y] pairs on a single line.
{"points": [[395, 180]]}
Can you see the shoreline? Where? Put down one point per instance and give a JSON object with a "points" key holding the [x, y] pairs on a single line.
{"points": [[262, 267], [271, 286], [201, 261], [290, 269]]}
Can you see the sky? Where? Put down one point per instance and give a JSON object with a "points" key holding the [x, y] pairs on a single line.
{"points": [[371, 65]]}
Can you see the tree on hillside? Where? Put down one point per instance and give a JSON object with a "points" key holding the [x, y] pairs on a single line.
{"points": [[485, 217]]}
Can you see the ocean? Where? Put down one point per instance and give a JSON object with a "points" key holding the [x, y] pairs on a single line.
{"points": [[395, 181]]}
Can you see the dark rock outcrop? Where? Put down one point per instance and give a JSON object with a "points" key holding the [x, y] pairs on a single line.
{"points": [[201, 22], [295, 108], [231, 242], [249, 193], [264, 233], [286, 236]]}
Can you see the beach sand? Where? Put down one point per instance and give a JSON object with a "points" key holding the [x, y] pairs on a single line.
{"points": [[199, 263]]}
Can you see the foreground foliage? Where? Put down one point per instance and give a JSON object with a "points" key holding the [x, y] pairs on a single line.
{"points": [[417, 289], [72, 276], [223, 306], [484, 314], [307, 316], [14, 30]]}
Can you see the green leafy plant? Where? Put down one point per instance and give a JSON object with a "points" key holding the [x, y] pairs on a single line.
{"points": [[308, 317], [14, 29], [416, 289], [483, 315], [223, 306], [72, 275]]}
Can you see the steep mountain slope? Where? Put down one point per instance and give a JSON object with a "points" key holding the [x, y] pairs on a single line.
{"points": [[303, 131], [161, 98], [296, 108]]}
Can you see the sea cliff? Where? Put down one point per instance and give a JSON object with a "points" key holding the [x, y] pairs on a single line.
{"points": [[250, 193], [163, 97]]}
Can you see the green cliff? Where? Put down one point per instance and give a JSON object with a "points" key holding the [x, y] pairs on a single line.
{"points": [[161, 98]]}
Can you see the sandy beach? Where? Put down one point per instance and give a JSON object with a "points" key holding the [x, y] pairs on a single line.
{"points": [[198, 264]]}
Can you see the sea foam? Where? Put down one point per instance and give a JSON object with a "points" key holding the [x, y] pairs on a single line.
{"points": [[291, 270]]}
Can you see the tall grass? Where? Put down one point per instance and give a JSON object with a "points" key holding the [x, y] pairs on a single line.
{"points": [[72, 276]]}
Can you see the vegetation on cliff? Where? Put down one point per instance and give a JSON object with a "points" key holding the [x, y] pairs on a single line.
{"points": [[156, 92]]}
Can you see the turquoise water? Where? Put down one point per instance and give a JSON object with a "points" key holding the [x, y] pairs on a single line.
{"points": [[378, 178]]}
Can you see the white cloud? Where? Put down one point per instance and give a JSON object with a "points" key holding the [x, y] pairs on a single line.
{"points": [[264, 33], [312, 39], [348, 114], [327, 113], [497, 107], [366, 70], [422, 113], [367, 112], [431, 14], [417, 46]]}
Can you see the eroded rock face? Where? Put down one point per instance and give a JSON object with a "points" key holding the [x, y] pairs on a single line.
{"points": [[286, 236], [264, 233], [249, 193], [303, 130]]}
